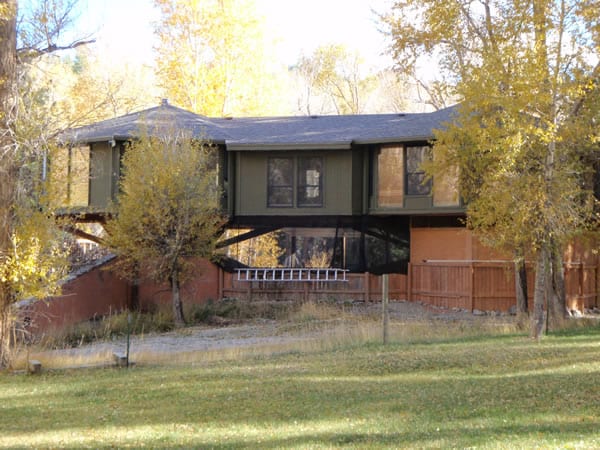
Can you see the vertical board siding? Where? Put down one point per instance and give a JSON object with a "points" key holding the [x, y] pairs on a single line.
{"points": [[490, 286], [581, 285], [447, 285], [471, 285], [494, 286]]}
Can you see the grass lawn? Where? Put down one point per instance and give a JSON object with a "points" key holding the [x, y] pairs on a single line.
{"points": [[484, 392]]}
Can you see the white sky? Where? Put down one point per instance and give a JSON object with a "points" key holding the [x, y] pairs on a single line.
{"points": [[124, 27]]}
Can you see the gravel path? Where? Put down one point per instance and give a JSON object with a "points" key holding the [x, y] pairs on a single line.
{"points": [[255, 333]]}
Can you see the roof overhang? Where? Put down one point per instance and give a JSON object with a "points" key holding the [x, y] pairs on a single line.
{"points": [[397, 140], [122, 138], [234, 147], [324, 145]]}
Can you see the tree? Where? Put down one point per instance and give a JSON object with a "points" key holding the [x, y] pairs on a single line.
{"points": [[524, 135], [213, 58], [168, 209], [261, 251], [338, 74], [31, 257], [8, 169]]}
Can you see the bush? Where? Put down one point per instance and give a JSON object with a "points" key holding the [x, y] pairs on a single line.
{"points": [[110, 327], [228, 310]]}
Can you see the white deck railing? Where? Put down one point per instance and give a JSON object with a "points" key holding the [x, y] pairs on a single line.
{"points": [[283, 274]]}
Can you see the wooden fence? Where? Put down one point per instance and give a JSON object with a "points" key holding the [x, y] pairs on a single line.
{"points": [[490, 285], [469, 285], [363, 286]]}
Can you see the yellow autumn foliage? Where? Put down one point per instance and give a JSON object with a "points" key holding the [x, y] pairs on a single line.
{"points": [[37, 259], [213, 58]]}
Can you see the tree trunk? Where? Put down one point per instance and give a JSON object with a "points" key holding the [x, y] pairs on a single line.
{"points": [[521, 287], [557, 302], [537, 319], [7, 163], [177, 303], [6, 327]]}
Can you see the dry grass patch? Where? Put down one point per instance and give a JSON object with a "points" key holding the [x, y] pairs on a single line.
{"points": [[490, 392], [300, 327]]}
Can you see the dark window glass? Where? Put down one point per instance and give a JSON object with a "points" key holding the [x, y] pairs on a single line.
{"points": [[310, 182], [280, 189], [415, 175]]}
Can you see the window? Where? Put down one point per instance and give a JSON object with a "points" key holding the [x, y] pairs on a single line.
{"points": [[390, 164], [306, 187], [415, 175], [310, 192], [280, 189]]}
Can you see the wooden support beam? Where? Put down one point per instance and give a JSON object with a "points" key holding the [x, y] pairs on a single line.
{"points": [[82, 234], [245, 236]]}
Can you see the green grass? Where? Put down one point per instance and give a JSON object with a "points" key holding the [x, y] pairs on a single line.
{"points": [[483, 392]]}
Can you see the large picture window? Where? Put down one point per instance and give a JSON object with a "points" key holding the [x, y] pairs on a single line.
{"points": [[280, 189], [415, 175], [310, 191], [390, 164]]}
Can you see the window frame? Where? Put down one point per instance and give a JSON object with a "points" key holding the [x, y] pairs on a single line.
{"points": [[302, 186], [419, 189], [297, 166], [271, 188]]}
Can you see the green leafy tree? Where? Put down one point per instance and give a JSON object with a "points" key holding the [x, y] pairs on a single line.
{"points": [[168, 209], [213, 58], [525, 135]]}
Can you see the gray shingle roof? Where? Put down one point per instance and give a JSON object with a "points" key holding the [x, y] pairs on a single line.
{"points": [[262, 133], [160, 117]]}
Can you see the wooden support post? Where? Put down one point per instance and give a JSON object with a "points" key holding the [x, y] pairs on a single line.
{"points": [[385, 305], [221, 283], [367, 286], [409, 283], [34, 366], [596, 284], [120, 360], [472, 287]]}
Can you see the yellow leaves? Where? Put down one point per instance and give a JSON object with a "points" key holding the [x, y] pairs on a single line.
{"points": [[36, 262], [7, 10], [168, 206], [213, 59]]}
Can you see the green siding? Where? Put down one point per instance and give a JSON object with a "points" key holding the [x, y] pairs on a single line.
{"points": [[100, 174], [251, 184], [357, 180], [104, 174]]}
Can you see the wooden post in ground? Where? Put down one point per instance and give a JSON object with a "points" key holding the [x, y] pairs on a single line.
{"points": [[385, 303]]}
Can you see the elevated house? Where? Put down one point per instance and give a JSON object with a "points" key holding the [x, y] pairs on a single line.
{"points": [[354, 179]]}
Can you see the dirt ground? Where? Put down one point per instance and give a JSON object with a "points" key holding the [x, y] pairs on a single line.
{"points": [[261, 332]]}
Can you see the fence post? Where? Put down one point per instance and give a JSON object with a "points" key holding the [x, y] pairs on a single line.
{"points": [[221, 283], [597, 273], [385, 304], [367, 286], [409, 283], [582, 296], [472, 287]]}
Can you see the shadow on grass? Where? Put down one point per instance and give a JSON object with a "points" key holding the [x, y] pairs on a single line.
{"points": [[499, 436], [377, 396]]}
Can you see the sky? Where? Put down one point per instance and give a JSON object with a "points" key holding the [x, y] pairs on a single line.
{"points": [[125, 27]]}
